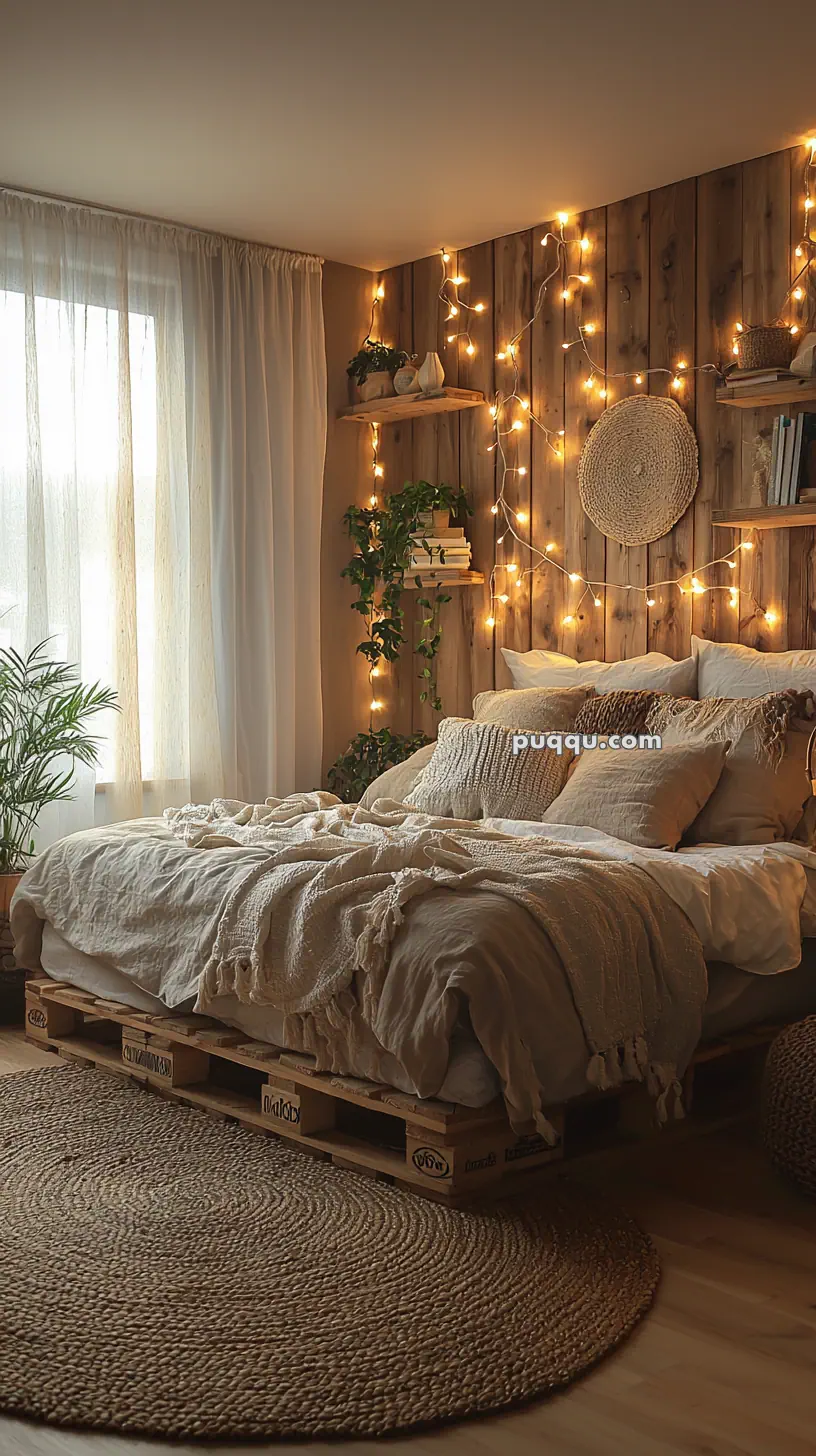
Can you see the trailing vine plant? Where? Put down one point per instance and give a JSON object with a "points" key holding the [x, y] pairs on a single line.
{"points": [[382, 538]]}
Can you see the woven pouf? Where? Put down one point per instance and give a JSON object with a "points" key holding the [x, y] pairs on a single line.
{"points": [[789, 1104], [168, 1275], [638, 469]]}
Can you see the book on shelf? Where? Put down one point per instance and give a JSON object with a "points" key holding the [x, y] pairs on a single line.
{"points": [[793, 460], [745, 377], [437, 533], [806, 476], [441, 573], [450, 562]]}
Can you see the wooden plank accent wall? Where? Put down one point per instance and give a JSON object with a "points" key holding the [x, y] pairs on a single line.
{"points": [[671, 273]]}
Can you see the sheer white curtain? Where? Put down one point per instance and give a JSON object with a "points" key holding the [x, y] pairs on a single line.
{"points": [[162, 434]]}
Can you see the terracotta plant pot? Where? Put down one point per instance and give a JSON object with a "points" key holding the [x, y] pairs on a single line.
{"points": [[8, 884], [441, 520], [378, 385]]}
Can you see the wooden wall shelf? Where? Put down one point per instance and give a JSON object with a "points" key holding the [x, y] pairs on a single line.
{"points": [[412, 406], [786, 391], [766, 518]]}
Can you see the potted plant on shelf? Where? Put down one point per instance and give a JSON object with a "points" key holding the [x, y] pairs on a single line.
{"points": [[44, 709], [373, 368]]}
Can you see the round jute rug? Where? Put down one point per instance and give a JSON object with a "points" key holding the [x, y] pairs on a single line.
{"points": [[165, 1274]]}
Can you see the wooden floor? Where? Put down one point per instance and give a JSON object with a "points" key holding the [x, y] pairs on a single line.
{"points": [[724, 1365]]}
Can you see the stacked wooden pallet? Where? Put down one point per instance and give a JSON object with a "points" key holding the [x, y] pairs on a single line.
{"points": [[445, 1151]]}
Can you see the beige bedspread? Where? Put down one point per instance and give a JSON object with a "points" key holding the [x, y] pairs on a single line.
{"points": [[297, 904]]}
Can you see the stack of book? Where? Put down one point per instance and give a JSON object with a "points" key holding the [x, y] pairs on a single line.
{"points": [[445, 552], [745, 379], [793, 460]]}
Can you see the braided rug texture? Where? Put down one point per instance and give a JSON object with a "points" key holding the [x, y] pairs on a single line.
{"points": [[168, 1275], [638, 469]]}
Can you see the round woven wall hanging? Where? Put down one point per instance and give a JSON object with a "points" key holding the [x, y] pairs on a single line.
{"points": [[638, 471]]}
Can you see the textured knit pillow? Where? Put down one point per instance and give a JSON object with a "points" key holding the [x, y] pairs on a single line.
{"points": [[540, 669], [647, 796], [474, 774], [616, 712], [532, 710], [398, 781], [764, 785]]}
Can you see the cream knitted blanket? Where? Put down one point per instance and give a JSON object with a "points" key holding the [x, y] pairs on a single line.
{"points": [[309, 930]]}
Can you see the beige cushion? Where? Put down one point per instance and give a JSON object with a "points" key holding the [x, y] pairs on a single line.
{"points": [[647, 796], [475, 775], [729, 670], [532, 710], [398, 781], [754, 802], [540, 669]]}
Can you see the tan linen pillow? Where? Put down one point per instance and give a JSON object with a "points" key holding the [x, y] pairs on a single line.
{"points": [[647, 796], [541, 669], [532, 710], [398, 781], [474, 774], [762, 791]]}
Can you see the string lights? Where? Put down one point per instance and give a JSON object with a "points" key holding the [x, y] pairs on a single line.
{"points": [[570, 274]]}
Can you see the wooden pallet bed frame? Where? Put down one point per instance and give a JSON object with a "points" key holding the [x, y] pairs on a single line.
{"points": [[444, 1151]]}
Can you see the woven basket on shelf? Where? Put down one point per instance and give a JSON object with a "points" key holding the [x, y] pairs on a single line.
{"points": [[765, 347], [789, 1103]]}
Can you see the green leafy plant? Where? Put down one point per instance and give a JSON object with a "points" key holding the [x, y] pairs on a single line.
{"points": [[367, 756], [375, 357], [43, 712]]}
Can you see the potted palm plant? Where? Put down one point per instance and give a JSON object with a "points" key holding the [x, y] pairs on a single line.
{"points": [[44, 711]]}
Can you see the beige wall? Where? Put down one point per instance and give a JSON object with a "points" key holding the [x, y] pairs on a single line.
{"points": [[346, 307]]}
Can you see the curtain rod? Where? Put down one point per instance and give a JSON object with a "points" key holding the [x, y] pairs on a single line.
{"points": [[124, 212]]}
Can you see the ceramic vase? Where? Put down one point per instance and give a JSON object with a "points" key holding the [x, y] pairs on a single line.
{"points": [[405, 379], [431, 374], [378, 385]]}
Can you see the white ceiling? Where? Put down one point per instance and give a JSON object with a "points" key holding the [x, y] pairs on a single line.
{"points": [[374, 132]]}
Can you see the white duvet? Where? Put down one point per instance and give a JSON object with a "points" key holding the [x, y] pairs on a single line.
{"points": [[750, 904]]}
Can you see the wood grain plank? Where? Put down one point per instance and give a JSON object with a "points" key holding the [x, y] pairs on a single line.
{"points": [[453, 677], [672, 254], [394, 687], [719, 433], [476, 472], [512, 269], [764, 572], [802, 542], [627, 350], [547, 466], [428, 311], [584, 546]]}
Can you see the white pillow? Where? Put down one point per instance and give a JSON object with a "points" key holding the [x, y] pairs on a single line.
{"points": [[728, 670], [540, 669]]}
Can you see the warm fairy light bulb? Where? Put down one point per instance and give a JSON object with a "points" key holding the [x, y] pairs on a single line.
{"points": [[735, 350], [451, 338], [562, 432], [457, 281], [597, 601], [375, 672], [379, 471], [499, 540], [490, 621], [494, 510], [585, 245], [566, 621], [504, 599], [732, 565], [550, 546], [589, 328], [380, 291], [470, 349], [676, 382], [453, 311], [502, 354], [563, 217], [565, 294], [739, 328], [584, 278], [372, 501], [771, 618], [522, 470], [588, 383], [794, 328], [375, 705], [746, 545], [525, 404], [574, 576], [808, 206], [446, 257], [797, 252], [517, 425], [511, 566], [650, 601], [733, 599], [493, 411], [798, 293], [478, 308], [603, 393], [521, 517], [638, 379], [681, 364], [565, 346]]}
